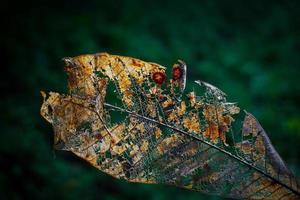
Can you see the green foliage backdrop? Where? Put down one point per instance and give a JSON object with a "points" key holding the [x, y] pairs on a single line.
{"points": [[248, 49]]}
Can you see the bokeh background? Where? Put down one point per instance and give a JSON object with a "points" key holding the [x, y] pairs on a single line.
{"points": [[249, 49]]}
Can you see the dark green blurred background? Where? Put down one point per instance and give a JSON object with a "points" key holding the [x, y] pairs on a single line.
{"points": [[249, 49]]}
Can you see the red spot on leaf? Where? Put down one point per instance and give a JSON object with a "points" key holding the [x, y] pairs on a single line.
{"points": [[177, 73], [159, 77]]}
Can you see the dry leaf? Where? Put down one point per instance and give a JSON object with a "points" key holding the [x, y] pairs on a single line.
{"points": [[165, 138]]}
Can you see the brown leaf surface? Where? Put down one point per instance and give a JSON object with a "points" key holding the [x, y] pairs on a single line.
{"points": [[167, 136]]}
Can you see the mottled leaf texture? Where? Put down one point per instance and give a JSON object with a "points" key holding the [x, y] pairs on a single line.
{"points": [[156, 132]]}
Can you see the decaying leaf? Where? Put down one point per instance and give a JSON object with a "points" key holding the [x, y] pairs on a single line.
{"points": [[169, 136]]}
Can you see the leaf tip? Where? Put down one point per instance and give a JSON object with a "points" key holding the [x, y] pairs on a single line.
{"points": [[43, 94]]}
